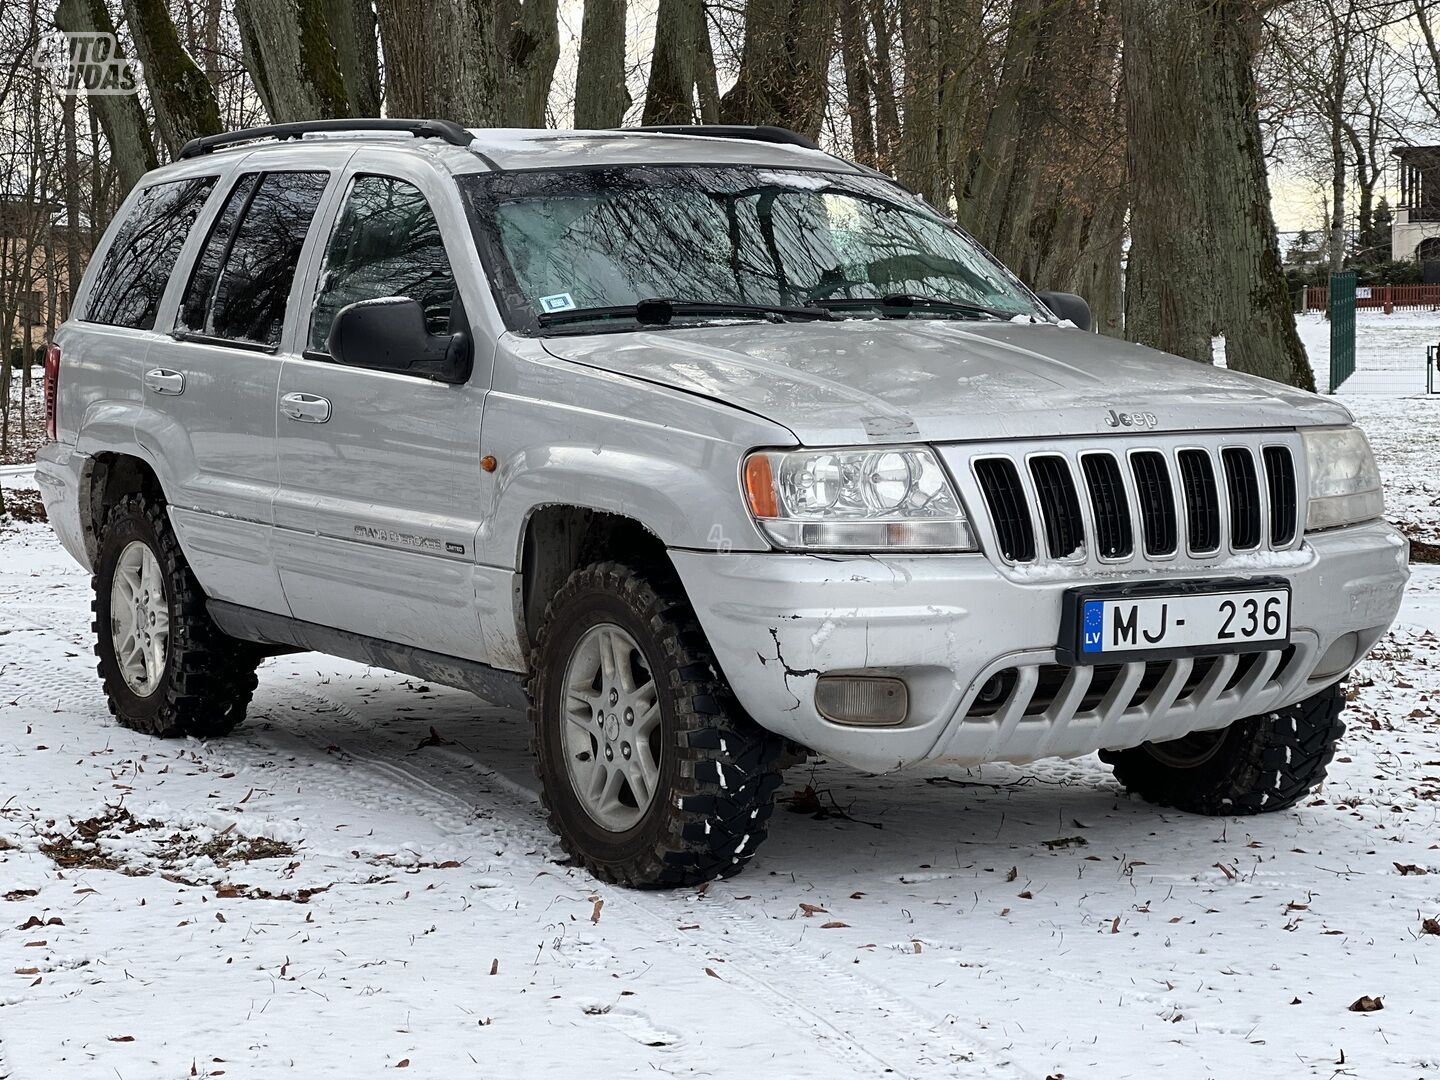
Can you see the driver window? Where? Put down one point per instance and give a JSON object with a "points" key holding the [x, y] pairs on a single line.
{"points": [[386, 243]]}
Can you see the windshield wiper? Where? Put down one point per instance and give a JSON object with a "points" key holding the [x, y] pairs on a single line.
{"points": [[658, 311], [904, 302]]}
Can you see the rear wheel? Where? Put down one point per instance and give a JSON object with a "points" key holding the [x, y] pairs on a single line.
{"points": [[166, 668], [652, 774], [1256, 765]]}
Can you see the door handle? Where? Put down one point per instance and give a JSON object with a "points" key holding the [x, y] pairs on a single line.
{"points": [[307, 408], [165, 381]]}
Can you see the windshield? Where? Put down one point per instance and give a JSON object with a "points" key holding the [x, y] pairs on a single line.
{"points": [[583, 240]]}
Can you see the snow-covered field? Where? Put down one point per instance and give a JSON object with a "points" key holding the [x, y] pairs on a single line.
{"points": [[361, 880]]}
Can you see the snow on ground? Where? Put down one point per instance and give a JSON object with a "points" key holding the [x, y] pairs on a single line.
{"points": [[361, 879]]}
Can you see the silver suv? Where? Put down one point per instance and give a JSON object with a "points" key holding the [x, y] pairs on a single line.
{"points": [[709, 448]]}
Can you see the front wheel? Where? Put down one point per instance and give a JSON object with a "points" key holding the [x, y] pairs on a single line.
{"points": [[651, 773], [1256, 765]]}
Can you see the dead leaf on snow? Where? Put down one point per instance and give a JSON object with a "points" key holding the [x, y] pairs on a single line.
{"points": [[711, 973], [1013, 874], [27, 971], [1430, 926], [812, 909], [595, 915], [1115, 925], [836, 924], [495, 966], [1367, 1004], [403, 1063], [1407, 869], [1066, 841], [122, 1038]]}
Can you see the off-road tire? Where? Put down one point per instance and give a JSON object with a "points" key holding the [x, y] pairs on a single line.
{"points": [[1262, 764], [718, 769], [208, 677]]}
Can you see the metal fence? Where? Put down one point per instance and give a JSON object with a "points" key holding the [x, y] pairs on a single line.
{"points": [[1342, 328], [1382, 297]]}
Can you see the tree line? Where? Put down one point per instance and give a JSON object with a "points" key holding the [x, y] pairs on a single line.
{"points": [[1121, 149]]}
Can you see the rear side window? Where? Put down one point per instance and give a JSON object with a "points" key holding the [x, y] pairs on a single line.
{"points": [[241, 281], [386, 243], [139, 262]]}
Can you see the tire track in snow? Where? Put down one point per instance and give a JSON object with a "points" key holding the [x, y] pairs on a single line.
{"points": [[861, 1023]]}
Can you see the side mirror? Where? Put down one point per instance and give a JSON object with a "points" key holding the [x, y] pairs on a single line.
{"points": [[389, 334], [1069, 306]]}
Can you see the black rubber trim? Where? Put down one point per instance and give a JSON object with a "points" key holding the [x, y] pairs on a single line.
{"points": [[262, 627]]}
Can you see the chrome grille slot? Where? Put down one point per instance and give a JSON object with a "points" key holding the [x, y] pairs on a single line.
{"points": [[1059, 505], [1280, 480], [1009, 511], [1111, 507], [1243, 487], [1157, 502], [1202, 501]]}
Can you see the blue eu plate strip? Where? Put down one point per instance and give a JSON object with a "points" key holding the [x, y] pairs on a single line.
{"points": [[1093, 631]]}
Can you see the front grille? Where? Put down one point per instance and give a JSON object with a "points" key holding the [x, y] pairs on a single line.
{"points": [[1202, 501], [1059, 505], [1187, 499], [1157, 501], [1111, 508], [1280, 481], [1009, 511], [1244, 489]]}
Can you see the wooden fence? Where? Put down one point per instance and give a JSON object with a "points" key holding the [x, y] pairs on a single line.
{"points": [[1384, 297]]}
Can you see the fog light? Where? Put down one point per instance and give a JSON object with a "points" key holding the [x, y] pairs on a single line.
{"points": [[862, 700], [1341, 656]]}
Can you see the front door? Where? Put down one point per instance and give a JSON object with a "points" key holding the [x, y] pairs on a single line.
{"points": [[379, 498]]}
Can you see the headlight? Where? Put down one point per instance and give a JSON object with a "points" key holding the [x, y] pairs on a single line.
{"points": [[866, 499], [1344, 481]]}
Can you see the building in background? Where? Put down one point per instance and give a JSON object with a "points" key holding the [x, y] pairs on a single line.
{"points": [[1415, 233]]}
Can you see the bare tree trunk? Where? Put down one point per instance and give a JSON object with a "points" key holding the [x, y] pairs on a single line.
{"points": [[784, 65], [887, 103], [528, 43], [184, 101], [118, 115], [920, 155], [292, 62], [601, 96], [1338, 177], [1252, 299], [1203, 252], [707, 79], [855, 56], [73, 257], [352, 30], [1167, 284], [460, 81], [670, 95]]}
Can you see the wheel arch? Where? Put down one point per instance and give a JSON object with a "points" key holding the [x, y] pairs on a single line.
{"points": [[107, 478], [559, 538]]}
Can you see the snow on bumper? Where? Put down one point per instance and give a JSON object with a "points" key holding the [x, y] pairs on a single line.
{"points": [[946, 624]]}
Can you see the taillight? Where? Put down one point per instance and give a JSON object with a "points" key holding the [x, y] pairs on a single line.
{"points": [[52, 388]]}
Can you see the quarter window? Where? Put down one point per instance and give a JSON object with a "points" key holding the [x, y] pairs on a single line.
{"points": [[386, 243], [139, 262], [241, 282]]}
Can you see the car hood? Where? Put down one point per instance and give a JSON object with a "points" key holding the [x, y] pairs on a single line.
{"points": [[892, 380]]}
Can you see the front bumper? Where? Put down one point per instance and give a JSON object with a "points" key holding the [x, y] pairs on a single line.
{"points": [[947, 623]]}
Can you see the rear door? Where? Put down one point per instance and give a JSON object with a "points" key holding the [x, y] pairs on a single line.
{"points": [[215, 378], [379, 499]]}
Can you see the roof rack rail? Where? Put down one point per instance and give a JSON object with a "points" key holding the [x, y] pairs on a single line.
{"points": [[448, 130], [758, 132]]}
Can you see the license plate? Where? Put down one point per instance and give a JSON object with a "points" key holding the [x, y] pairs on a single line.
{"points": [[1139, 624]]}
